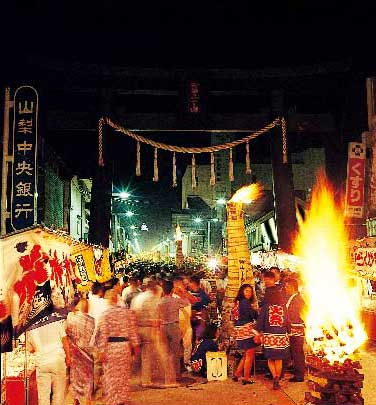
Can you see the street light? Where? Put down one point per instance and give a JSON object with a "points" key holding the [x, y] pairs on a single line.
{"points": [[198, 220], [124, 195], [221, 201], [129, 214]]}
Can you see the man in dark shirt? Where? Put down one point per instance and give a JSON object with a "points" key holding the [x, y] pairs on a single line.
{"points": [[295, 308], [271, 287], [199, 313]]}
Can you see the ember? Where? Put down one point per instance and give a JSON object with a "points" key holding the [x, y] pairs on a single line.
{"points": [[337, 383]]}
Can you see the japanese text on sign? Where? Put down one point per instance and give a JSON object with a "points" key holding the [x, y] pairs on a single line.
{"points": [[355, 180], [24, 167], [364, 259], [194, 97]]}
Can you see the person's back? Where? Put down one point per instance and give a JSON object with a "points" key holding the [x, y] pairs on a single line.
{"points": [[145, 305], [47, 343], [130, 292], [51, 348]]}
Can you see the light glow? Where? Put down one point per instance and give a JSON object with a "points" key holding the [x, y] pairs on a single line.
{"points": [[178, 233], [124, 195], [212, 263]]}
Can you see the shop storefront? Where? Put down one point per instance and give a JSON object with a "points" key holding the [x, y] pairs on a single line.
{"points": [[363, 256]]}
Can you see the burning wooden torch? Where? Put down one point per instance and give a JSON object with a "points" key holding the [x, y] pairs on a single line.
{"points": [[179, 248], [239, 266]]}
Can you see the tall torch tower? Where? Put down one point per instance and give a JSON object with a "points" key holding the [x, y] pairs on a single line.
{"points": [[239, 261], [179, 248]]}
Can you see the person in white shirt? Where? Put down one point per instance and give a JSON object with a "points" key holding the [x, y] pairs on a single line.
{"points": [[50, 345], [97, 304]]}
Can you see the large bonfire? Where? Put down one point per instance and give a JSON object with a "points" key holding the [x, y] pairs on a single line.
{"points": [[333, 327]]}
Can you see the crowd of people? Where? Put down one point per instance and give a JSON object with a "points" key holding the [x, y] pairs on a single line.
{"points": [[163, 320], [166, 322]]}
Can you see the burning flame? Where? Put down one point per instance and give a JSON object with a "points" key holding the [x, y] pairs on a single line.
{"points": [[333, 326], [178, 233], [247, 194]]}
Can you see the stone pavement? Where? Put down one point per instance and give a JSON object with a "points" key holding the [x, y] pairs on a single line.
{"points": [[198, 391]]}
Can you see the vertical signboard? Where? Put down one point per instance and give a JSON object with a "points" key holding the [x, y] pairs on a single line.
{"points": [[24, 168], [355, 180], [194, 99]]}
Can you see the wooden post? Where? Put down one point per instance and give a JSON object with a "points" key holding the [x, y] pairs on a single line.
{"points": [[283, 185], [101, 192], [6, 159]]}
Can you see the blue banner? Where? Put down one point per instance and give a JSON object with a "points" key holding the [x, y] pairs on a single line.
{"points": [[24, 168]]}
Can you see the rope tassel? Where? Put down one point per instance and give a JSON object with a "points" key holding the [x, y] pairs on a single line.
{"points": [[231, 167], [284, 140], [156, 175], [174, 182], [194, 184], [247, 160], [138, 161], [212, 170]]}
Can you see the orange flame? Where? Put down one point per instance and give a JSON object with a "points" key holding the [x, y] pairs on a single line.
{"points": [[248, 194], [333, 326]]}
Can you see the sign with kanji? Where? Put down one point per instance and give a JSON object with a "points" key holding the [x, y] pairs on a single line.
{"points": [[364, 259], [194, 101], [24, 167], [356, 164]]}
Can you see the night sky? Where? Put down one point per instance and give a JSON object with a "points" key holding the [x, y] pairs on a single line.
{"points": [[195, 33]]}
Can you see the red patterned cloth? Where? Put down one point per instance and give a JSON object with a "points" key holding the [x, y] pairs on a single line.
{"points": [[116, 322], [275, 341], [235, 311], [79, 328], [244, 331]]}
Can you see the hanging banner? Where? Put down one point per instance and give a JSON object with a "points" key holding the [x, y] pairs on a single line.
{"points": [[24, 166], [35, 273], [355, 180], [92, 264]]}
